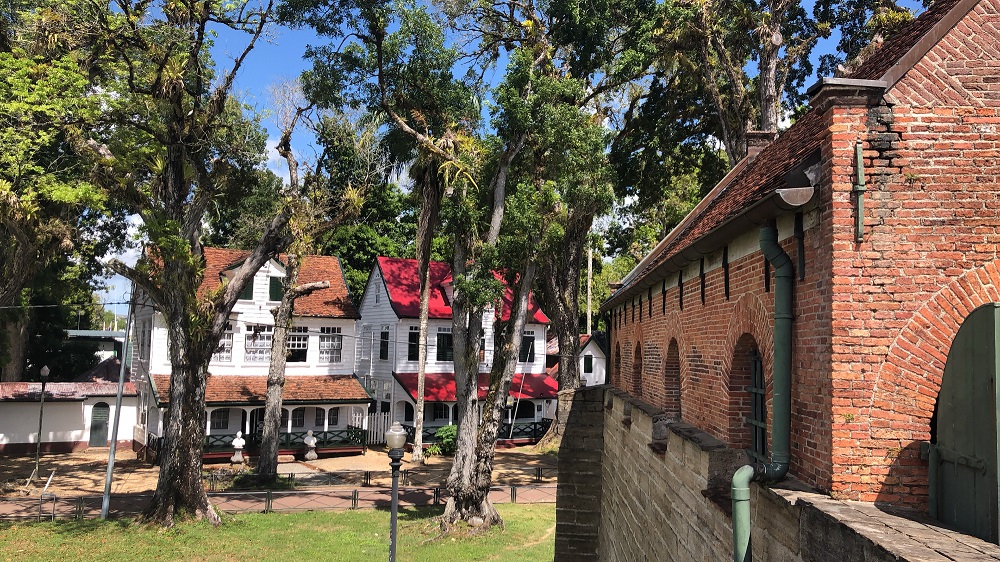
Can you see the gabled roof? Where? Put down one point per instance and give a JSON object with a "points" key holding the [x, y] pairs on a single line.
{"points": [[402, 282], [440, 387], [334, 302], [754, 181], [60, 391], [252, 389]]}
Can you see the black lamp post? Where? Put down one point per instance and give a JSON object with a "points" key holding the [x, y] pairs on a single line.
{"points": [[395, 439], [41, 407]]}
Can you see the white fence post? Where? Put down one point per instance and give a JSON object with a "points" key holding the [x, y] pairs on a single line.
{"points": [[378, 424]]}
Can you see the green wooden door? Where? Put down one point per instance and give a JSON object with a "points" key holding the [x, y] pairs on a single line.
{"points": [[99, 425], [963, 459]]}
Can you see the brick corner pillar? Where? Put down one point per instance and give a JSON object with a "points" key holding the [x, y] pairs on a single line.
{"points": [[578, 499]]}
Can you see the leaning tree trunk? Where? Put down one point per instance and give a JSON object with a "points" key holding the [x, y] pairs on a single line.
{"points": [[267, 462], [471, 502], [429, 211]]}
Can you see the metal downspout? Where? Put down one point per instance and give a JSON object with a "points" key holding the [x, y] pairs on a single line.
{"points": [[741, 514], [781, 378], [781, 402]]}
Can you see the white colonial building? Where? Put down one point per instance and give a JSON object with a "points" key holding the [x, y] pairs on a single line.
{"points": [[389, 339], [321, 392]]}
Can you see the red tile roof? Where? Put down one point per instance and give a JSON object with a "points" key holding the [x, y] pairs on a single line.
{"points": [[252, 389], [334, 302], [60, 391], [440, 387], [402, 281], [896, 47], [760, 178]]}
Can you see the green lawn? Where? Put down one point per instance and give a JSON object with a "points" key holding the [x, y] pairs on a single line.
{"points": [[343, 536]]}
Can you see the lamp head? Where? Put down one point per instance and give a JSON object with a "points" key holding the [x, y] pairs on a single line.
{"points": [[395, 438], [44, 372]]}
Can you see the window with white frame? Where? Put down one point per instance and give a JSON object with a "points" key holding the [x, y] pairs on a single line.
{"points": [[331, 344], [333, 417], [299, 417], [224, 353], [527, 353], [439, 411], [588, 363], [383, 344], [298, 344], [320, 417], [413, 344], [258, 343], [445, 345], [220, 419]]}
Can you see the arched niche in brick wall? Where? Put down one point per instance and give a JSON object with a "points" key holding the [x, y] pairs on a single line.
{"points": [[616, 367], [737, 390], [672, 380], [636, 386], [652, 373], [897, 412]]}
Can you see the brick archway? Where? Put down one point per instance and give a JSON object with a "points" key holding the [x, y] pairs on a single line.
{"points": [[897, 415], [750, 325]]}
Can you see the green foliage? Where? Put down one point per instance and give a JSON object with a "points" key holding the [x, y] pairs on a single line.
{"points": [[445, 444]]}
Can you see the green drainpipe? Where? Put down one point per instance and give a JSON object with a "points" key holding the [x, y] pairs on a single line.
{"points": [[741, 514], [781, 401]]}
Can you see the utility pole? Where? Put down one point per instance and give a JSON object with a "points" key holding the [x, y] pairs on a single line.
{"points": [[590, 278]]}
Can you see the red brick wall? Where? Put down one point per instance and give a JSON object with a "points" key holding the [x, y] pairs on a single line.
{"points": [[873, 320], [706, 337], [926, 262]]}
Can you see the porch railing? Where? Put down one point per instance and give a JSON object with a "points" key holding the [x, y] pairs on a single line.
{"points": [[348, 437], [533, 430]]}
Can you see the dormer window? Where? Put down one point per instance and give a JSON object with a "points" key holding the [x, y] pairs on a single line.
{"points": [[247, 294], [275, 289]]}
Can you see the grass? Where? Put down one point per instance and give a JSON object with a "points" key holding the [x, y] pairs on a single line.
{"points": [[344, 536]]}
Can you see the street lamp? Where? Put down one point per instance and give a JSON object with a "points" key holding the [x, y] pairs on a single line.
{"points": [[395, 439], [41, 407]]}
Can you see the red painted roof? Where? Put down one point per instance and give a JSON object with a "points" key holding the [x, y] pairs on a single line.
{"points": [[440, 387], [252, 389], [552, 344], [60, 391], [402, 281], [328, 303]]}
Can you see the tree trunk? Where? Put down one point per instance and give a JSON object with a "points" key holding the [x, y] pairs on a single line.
{"points": [[429, 211], [470, 502], [16, 333], [466, 330], [179, 490], [267, 462]]}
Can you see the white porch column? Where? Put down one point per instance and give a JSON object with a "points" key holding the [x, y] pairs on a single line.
{"points": [[208, 420], [326, 419], [288, 426], [246, 426]]}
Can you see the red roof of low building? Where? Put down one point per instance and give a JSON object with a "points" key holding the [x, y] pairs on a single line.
{"points": [[402, 282], [252, 389], [552, 344], [440, 387], [334, 302], [60, 391]]}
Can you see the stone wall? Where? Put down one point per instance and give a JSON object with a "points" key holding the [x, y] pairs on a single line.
{"points": [[637, 486]]}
